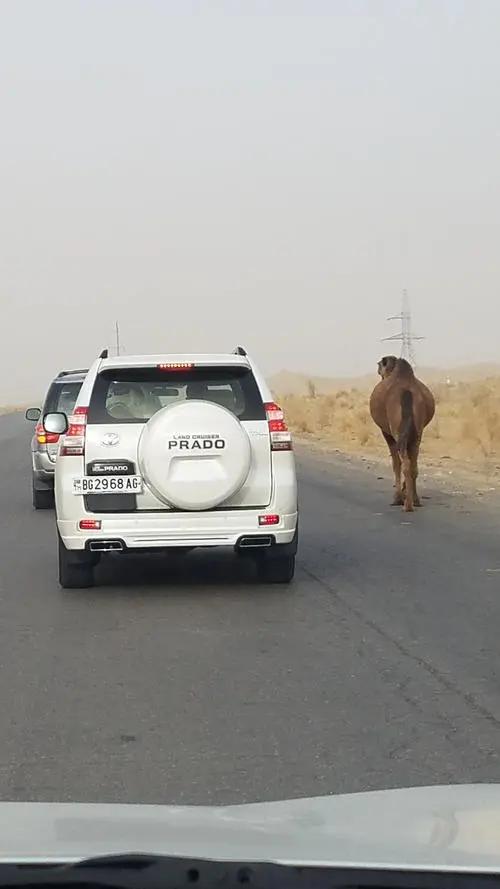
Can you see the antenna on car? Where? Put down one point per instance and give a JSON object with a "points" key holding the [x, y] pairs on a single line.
{"points": [[239, 351], [104, 353]]}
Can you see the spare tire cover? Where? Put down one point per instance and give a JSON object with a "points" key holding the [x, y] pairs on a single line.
{"points": [[194, 455]]}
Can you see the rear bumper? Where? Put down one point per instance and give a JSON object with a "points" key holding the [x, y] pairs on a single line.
{"points": [[164, 529], [43, 469], [167, 530], [43, 479]]}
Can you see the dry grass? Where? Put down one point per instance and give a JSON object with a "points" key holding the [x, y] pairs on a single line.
{"points": [[466, 426], [11, 409]]}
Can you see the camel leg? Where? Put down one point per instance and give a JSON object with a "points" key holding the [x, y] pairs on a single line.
{"points": [[413, 454], [396, 465], [409, 495]]}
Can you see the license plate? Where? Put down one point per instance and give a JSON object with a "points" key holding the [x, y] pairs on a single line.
{"points": [[113, 484]]}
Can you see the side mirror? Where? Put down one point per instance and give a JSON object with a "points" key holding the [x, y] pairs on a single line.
{"points": [[33, 414], [55, 423]]}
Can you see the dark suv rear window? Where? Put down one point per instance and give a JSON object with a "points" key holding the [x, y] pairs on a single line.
{"points": [[133, 395], [62, 397]]}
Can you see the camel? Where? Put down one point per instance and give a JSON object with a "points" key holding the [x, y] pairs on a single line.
{"points": [[402, 406]]}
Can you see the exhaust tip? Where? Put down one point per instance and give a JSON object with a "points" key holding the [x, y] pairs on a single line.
{"points": [[256, 541], [106, 546]]}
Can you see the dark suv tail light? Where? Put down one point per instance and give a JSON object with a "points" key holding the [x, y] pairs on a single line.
{"points": [[43, 437], [281, 439], [73, 443]]}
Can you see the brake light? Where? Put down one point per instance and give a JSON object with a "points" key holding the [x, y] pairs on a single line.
{"points": [[176, 365], [43, 437], [89, 525], [269, 520], [73, 443], [281, 439]]}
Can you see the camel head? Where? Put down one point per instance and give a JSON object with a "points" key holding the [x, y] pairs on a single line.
{"points": [[386, 365]]}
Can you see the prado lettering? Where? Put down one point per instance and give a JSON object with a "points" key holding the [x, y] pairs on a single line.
{"points": [[196, 444]]}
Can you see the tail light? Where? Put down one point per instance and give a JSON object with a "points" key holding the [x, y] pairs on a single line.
{"points": [[43, 437], [269, 519], [73, 443], [281, 439]]}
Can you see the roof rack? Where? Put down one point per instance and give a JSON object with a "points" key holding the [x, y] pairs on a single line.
{"points": [[104, 353], [239, 351], [66, 373]]}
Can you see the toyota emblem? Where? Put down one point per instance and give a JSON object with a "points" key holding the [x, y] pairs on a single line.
{"points": [[110, 439]]}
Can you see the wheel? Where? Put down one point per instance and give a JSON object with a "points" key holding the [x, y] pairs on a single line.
{"points": [[42, 499], [76, 569], [279, 569]]}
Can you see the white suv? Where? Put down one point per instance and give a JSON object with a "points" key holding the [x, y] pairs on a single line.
{"points": [[169, 451]]}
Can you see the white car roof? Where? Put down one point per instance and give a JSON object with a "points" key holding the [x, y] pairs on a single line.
{"points": [[209, 359], [224, 359]]}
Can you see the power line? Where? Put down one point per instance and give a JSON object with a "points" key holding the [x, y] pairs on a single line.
{"points": [[406, 337]]}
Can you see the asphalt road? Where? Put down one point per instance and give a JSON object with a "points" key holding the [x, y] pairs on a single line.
{"points": [[379, 667]]}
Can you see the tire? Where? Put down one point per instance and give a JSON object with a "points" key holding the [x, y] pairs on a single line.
{"points": [[172, 475], [279, 569], [76, 569], [42, 499]]}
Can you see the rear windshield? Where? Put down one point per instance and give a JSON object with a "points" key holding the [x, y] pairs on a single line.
{"points": [[133, 395], [62, 397]]}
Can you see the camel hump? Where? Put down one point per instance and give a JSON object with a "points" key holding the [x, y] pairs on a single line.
{"points": [[403, 368]]}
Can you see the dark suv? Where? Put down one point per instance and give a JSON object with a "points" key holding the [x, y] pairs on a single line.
{"points": [[61, 396]]}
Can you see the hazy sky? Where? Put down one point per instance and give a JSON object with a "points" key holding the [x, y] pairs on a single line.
{"points": [[270, 173]]}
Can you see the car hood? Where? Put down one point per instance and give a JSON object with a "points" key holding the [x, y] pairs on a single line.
{"points": [[448, 827]]}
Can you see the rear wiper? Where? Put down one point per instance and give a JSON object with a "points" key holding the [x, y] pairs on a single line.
{"points": [[143, 871]]}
